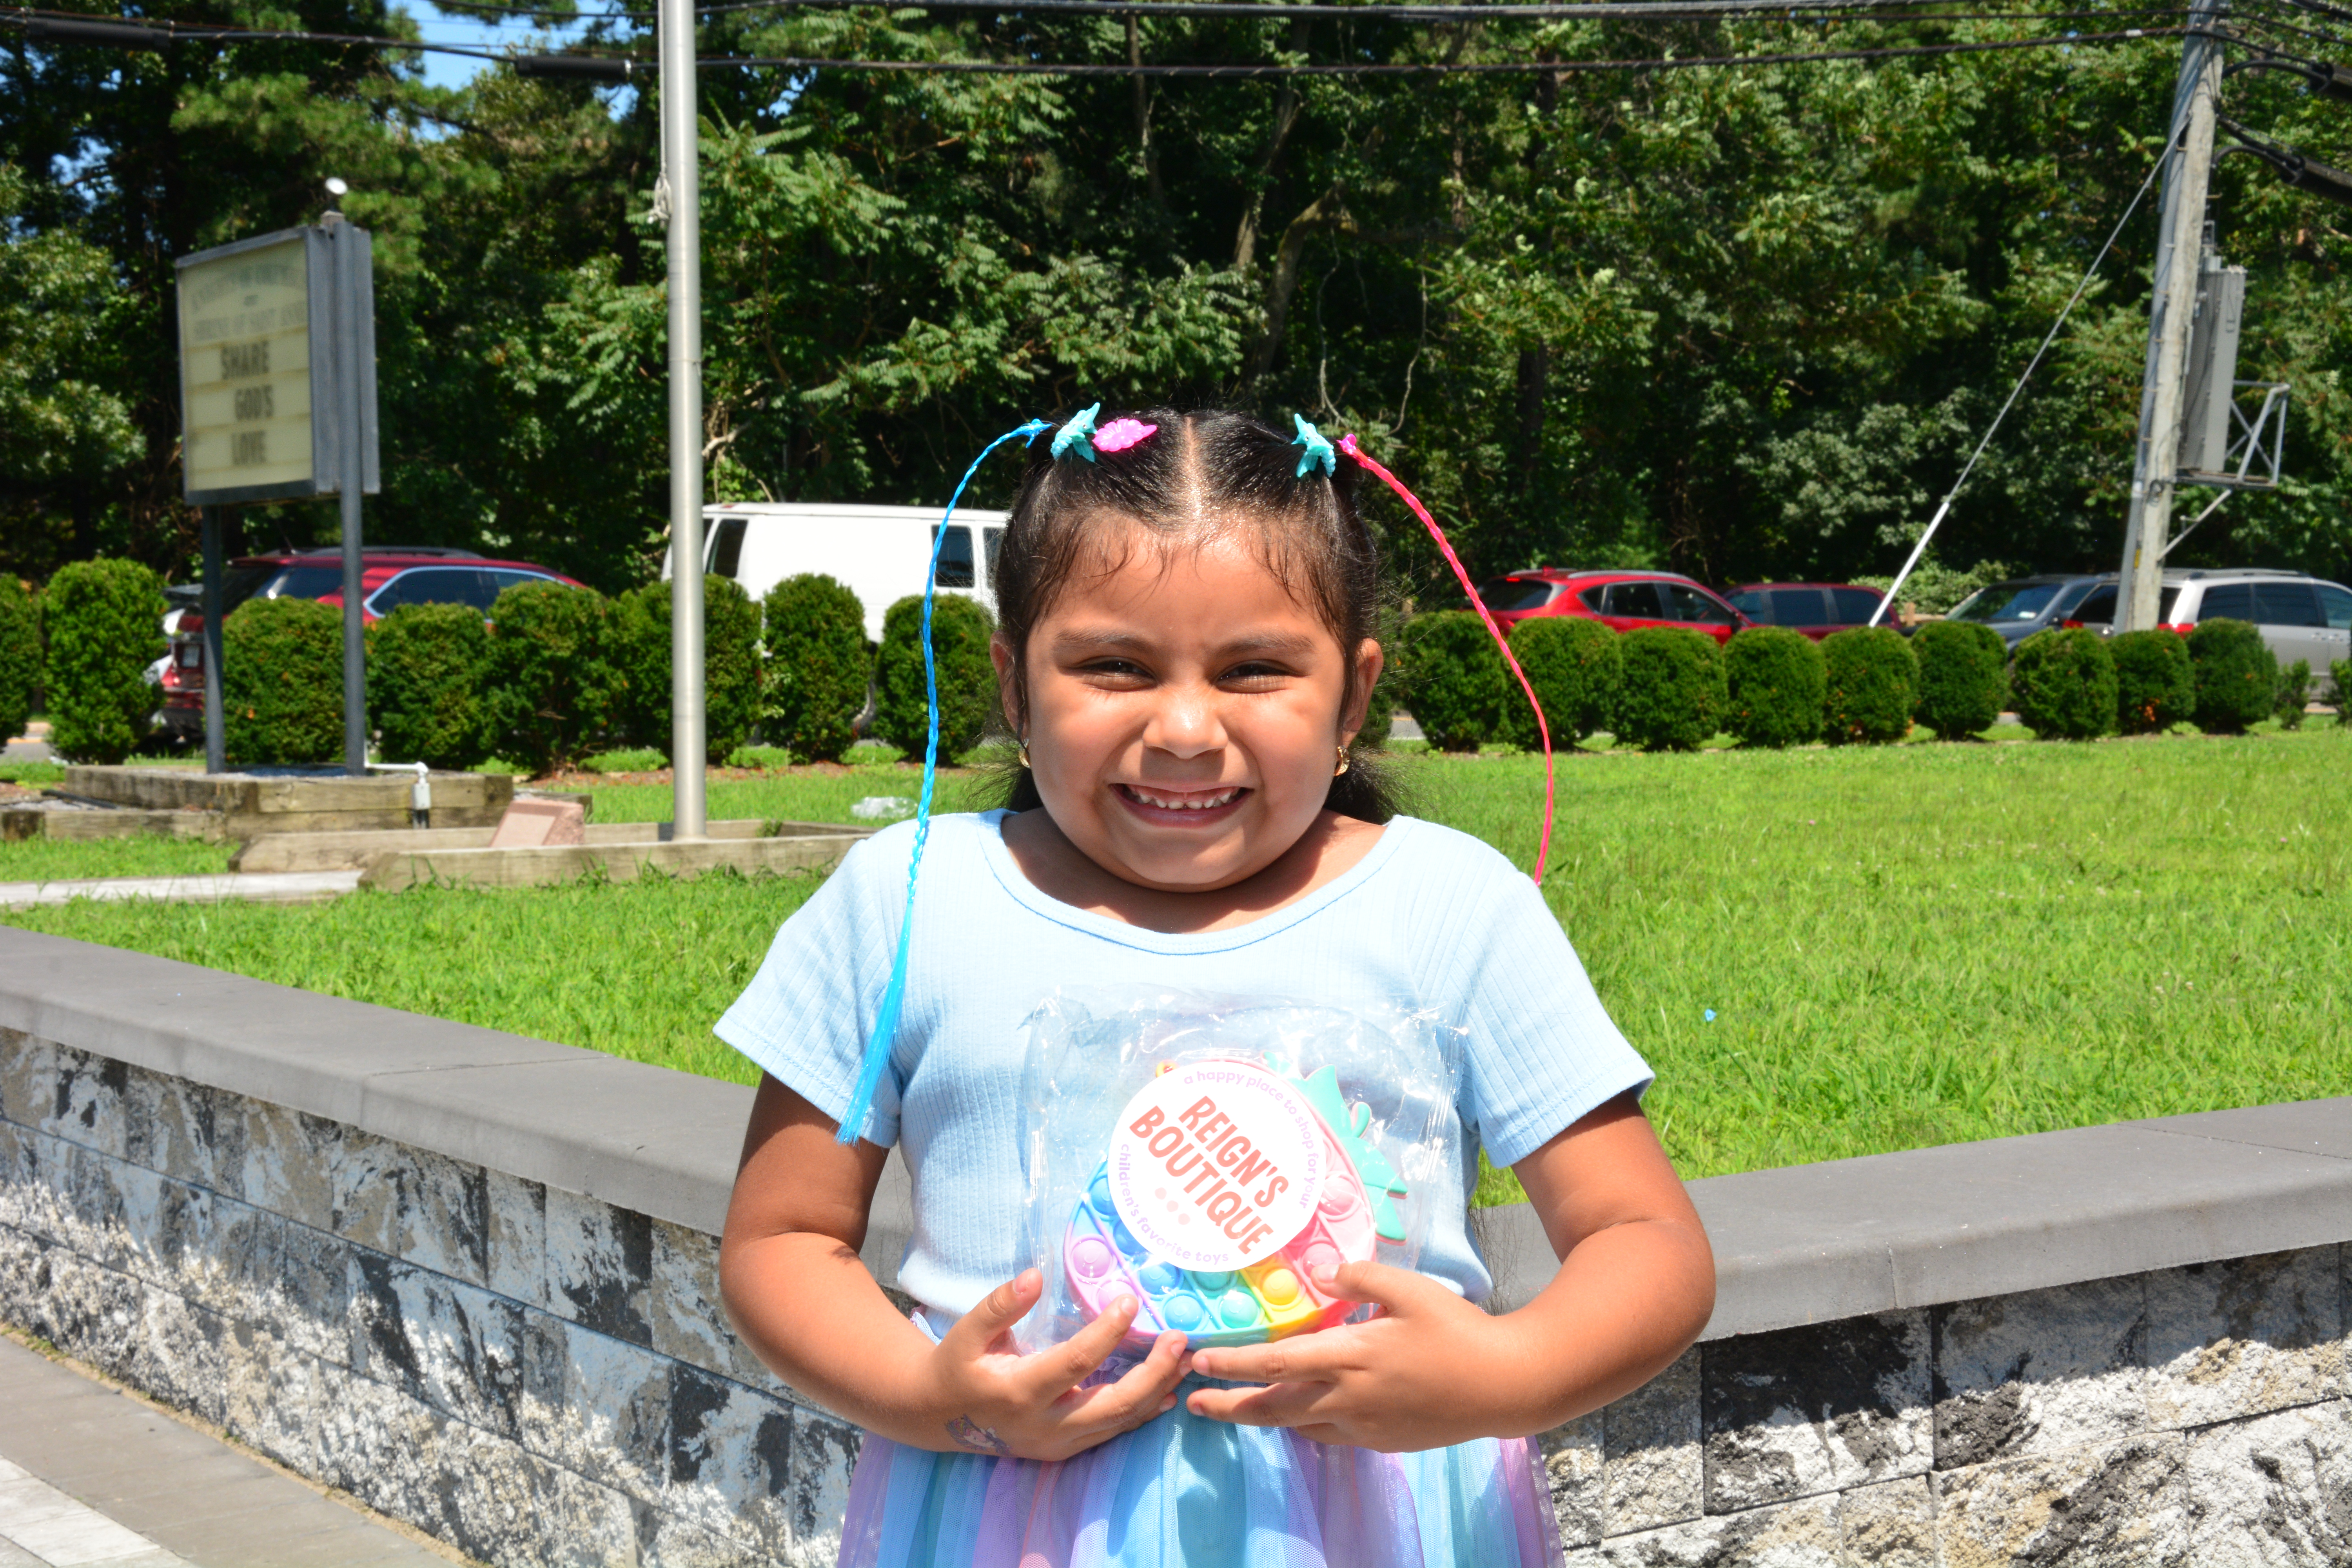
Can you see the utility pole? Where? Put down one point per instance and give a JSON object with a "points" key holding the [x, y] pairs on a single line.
{"points": [[681, 191], [2179, 273]]}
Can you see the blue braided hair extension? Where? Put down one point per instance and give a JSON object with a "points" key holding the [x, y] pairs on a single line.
{"points": [[894, 997], [1319, 454]]}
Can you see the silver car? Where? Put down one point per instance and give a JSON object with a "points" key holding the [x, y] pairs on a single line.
{"points": [[2300, 617]]}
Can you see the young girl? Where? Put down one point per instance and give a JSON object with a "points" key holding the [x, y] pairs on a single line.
{"points": [[1186, 652]]}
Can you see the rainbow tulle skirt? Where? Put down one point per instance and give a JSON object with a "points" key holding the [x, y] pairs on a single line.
{"points": [[1187, 1492]]}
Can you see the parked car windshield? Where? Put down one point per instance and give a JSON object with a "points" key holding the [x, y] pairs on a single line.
{"points": [[2007, 602]]}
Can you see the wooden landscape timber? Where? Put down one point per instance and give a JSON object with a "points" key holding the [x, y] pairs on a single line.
{"points": [[18, 823], [354, 851], [253, 806], [622, 862]]}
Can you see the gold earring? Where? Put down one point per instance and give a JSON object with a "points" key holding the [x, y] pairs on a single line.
{"points": [[1343, 764], [1024, 755]]}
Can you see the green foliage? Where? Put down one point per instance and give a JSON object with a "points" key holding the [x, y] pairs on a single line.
{"points": [[960, 633], [1963, 677], [1575, 666], [819, 666], [20, 657], [2154, 686], [282, 683], [2237, 674], [2294, 693], [426, 700], [730, 666], [103, 622], [1872, 685], [1456, 684], [2065, 681], [1933, 587], [1777, 681], [552, 684], [2340, 672], [1672, 694]]}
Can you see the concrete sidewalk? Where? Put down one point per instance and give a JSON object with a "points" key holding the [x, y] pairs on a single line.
{"points": [[92, 1476], [266, 887]]}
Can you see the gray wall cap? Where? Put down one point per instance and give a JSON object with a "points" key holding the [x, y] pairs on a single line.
{"points": [[1801, 1244]]}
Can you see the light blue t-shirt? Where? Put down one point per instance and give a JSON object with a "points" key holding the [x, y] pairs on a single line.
{"points": [[1429, 918]]}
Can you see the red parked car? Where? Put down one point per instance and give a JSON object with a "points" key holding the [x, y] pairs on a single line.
{"points": [[389, 578], [1619, 600], [1816, 609]]}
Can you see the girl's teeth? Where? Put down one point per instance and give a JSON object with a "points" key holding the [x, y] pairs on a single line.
{"points": [[1201, 803]]}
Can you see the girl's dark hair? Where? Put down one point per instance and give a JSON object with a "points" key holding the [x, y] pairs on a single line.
{"points": [[1200, 474]]}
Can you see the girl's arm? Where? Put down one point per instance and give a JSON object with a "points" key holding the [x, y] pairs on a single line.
{"points": [[1635, 1285], [790, 1275]]}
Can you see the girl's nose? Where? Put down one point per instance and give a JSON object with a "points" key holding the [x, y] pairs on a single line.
{"points": [[1185, 723]]}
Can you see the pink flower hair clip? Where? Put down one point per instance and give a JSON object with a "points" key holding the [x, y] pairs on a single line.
{"points": [[1120, 434]]}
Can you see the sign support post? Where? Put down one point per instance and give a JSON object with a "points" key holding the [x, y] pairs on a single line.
{"points": [[208, 520], [355, 365]]}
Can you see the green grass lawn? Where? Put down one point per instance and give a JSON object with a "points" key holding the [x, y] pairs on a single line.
{"points": [[1901, 946]]}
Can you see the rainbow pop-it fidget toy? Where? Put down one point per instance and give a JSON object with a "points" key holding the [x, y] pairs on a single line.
{"points": [[1270, 1294]]}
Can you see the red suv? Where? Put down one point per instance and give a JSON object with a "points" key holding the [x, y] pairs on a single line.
{"points": [[388, 579], [1816, 609], [1619, 600]]}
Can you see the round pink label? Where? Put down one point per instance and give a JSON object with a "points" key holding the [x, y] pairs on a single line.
{"points": [[1217, 1165]]}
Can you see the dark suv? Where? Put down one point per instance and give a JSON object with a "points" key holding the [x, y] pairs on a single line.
{"points": [[1619, 600], [2024, 605], [389, 578]]}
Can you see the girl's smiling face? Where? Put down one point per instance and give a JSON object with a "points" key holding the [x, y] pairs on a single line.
{"points": [[1185, 713]]}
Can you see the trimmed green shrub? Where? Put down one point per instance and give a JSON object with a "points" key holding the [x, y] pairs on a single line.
{"points": [[1776, 682], [1872, 685], [1671, 695], [2155, 686], [1455, 683], [2237, 674], [1963, 677], [282, 683], [2065, 682], [960, 633], [550, 681], [425, 665], [2294, 691], [20, 657], [819, 666], [642, 698], [1576, 667], [103, 620], [2340, 672]]}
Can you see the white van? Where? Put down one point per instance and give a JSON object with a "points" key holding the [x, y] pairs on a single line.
{"points": [[878, 551]]}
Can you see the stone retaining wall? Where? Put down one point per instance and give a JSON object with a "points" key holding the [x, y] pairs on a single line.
{"points": [[472, 1278]]}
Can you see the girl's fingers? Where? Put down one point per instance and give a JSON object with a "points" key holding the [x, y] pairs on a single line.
{"points": [[1143, 1394], [1283, 1405], [1398, 1290], [998, 1310], [1050, 1374]]}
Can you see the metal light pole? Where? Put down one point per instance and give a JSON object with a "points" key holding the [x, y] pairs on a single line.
{"points": [[352, 344], [2179, 248], [215, 753], [680, 191]]}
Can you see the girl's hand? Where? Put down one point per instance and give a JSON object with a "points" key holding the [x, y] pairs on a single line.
{"points": [[1031, 1407], [1431, 1369]]}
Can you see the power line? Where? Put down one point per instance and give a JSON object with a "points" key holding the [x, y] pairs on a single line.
{"points": [[71, 28], [1606, 10]]}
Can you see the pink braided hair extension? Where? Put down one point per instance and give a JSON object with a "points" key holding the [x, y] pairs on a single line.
{"points": [[1348, 445]]}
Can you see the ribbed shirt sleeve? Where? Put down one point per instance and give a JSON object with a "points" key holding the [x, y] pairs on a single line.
{"points": [[1541, 1052], [804, 1017]]}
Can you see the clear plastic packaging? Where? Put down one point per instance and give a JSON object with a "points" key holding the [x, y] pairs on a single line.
{"points": [[1205, 1154]]}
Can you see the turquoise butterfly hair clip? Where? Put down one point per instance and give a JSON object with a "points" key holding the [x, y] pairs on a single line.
{"points": [[1319, 453]]}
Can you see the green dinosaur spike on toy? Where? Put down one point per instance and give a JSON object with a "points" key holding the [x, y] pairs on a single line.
{"points": [[1372, 1168]]}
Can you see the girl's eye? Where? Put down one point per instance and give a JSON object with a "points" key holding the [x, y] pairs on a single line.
{"points": [[1115, 671], [1255, 677]]}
